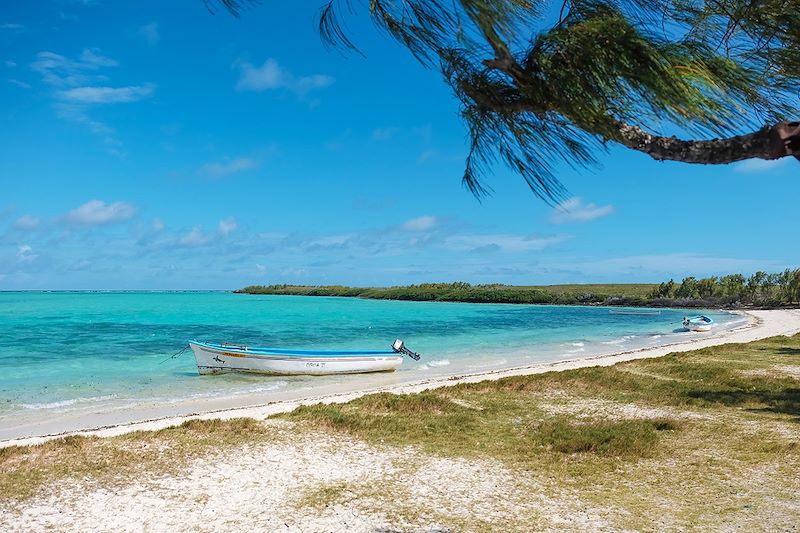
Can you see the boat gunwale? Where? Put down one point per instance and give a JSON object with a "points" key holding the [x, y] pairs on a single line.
{"points": [[700, 319], [256, 351]]}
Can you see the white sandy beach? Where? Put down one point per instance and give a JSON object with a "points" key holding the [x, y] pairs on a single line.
{"points": [[761, 324]]}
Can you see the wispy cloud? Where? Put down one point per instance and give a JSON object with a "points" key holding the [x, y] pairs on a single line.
{"points": [[660, 266], [422, 223], [270, 76], [91, 57], [420, 133], [79, 86], [27, 222], [574, 210], [427, 155], [19, 83], [12, 27], [78, 113], [328, 242], [71, 17], [61, 71], [9, 63], [25, 253], [107, 95], [229, 167], [227, 226], [195, 238], [384, 134], [755, 166], [97, 212], [150, 34], [502, 242]]}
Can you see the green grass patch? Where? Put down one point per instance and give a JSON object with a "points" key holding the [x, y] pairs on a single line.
{"points": [[623, 438], [505, 419], [706, 378], [322, 496], [496, 424]]}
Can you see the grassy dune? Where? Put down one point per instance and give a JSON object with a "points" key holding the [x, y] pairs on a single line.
{"points": [[526, 418], [695, 439]]}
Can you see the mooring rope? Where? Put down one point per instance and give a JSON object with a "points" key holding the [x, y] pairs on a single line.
{"points": [[176, 354]]}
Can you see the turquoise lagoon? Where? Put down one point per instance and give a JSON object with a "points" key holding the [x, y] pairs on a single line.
{"points": [[67, 355]]}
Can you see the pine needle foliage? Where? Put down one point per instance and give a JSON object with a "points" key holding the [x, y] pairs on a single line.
{"points": [[544, 82]]}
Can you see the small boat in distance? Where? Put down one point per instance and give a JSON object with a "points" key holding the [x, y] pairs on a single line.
{"points": [[213, 358], [698, 323]]}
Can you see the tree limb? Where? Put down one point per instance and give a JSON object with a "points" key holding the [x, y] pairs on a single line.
{"points": [[770, 142]]}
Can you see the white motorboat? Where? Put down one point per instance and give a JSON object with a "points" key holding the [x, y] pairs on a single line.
{"points": [[698, 323], [213, 358]]}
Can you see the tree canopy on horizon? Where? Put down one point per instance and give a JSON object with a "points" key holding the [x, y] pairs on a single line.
{"points": [[542, 82]]}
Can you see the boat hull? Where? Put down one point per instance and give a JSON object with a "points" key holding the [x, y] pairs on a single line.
{"points": [[698, 327], [221, 359], [698, 323]]}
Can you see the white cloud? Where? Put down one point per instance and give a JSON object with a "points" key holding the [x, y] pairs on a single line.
{"points": [[422, 223], [77, 113], [329, 242], [91, 58], [68, 16], [661, 266], [149, 32], [96, 212], [81, 86], [502, 242], [25, 254], [19, 83], [271, 76], [574, 210], [194, 238], [384, 134], [753, 166], [61, 71], [227, 226], [427, 155], [10, 64], [12, 27], [27, 222], [228, 167], [107, 95], [157, 225]]}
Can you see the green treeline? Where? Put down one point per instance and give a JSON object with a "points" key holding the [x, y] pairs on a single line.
{"points": [[630, 294], [760, 289], [735, 290]]}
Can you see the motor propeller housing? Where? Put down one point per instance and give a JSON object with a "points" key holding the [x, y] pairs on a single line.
{"points": [[399, 346]]}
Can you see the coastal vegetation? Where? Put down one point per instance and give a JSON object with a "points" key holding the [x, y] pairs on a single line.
{"points": [[465, 292], [736, 290], [698, 439], [543, 83], [759, 289]]}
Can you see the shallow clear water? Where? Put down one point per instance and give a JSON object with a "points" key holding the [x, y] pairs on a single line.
{"points": [[66, 351]]}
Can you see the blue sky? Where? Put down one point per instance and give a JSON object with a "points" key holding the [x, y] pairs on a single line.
{"points": [[153, 145]]}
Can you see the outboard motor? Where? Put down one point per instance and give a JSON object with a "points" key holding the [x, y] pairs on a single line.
{"points": [[400, 347]]}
